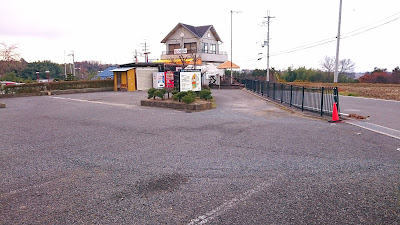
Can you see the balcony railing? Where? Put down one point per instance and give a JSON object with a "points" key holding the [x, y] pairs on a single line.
{"points": [[194, 51]]}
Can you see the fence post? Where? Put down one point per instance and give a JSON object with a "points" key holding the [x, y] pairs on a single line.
{"points": [[262, 88], [336, 97], [302, 100], [282, 93], [273, 94], [322, 101], [291, 94]]}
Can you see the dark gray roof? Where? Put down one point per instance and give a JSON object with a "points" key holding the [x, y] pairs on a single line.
{"points": [[199, 31]]}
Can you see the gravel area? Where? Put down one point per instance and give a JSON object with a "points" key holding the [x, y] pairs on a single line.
{"points": [[101, 158]]}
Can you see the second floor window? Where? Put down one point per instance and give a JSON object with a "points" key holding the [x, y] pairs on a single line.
{"points": [[205, 48], [213, 49], [171, 48], [191, 47]]}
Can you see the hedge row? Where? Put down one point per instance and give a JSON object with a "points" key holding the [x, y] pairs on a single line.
{"points": [[62, 85]]}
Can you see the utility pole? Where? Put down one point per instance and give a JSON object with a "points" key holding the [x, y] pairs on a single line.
{"points": [[145, 52], [65, 67], [232, 43], [336, 75], [135, 57], [268, 17], [73, 62]]}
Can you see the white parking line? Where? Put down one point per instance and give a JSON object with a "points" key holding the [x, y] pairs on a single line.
{"points": [[374, 127], [207, 217], [97, 102], [377, 99]]}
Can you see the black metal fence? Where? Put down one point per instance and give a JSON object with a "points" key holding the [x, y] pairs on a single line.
{"points": [[313, 99]]}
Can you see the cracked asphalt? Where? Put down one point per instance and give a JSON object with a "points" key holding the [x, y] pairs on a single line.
{"points": [[101, 158]]}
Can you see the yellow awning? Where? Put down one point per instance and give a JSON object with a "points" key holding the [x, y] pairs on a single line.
{"points": [[179, 61]]}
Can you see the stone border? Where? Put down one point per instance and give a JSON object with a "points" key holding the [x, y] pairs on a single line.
{"points": [[58, 92], [196, 106]]}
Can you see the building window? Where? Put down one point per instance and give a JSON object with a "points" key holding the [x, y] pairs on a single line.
{"points": [[191, 47], [205, 48], [213, 49], [171, 48]]}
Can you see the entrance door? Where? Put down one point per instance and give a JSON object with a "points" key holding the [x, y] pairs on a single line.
{"points": [[118, 81]]}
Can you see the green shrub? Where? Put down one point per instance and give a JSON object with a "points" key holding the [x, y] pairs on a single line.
{"points": [[174, 91], [205, 94], [178, 96], [160, 93], [204, 86], [189, 97], [151, 93]]}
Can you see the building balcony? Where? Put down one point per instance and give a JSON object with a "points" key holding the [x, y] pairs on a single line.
{"points": [[206, 56]]}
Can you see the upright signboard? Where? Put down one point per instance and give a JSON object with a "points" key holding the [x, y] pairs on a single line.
{"points": [[190, 81]]}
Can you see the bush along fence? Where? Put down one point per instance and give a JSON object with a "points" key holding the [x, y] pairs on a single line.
{"points": [[319, 100], [33, 88]]}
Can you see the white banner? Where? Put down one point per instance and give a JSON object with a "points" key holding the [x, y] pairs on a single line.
{"points": [[180, 51]]}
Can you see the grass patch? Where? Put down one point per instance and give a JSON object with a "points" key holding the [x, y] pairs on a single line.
{"points": [[346, 93]]}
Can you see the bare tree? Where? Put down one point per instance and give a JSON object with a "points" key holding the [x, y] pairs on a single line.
{"points": [[9, 52], [346, 66], [328, 64]]}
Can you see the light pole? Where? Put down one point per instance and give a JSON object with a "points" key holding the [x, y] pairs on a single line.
{"points": [[232, 43], [48, 77], [336, 75]]}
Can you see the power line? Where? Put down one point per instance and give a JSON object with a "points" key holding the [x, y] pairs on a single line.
{"points": [[373, 23], [372, 28], [328, 40], [332, 39]]}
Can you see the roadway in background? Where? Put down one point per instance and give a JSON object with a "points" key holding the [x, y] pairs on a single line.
{"points": [[381, 112]]}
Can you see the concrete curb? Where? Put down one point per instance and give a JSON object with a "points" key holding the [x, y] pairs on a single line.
{"points": [[197, 106]]}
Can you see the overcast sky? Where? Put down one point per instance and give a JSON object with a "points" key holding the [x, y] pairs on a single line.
{"points": [[110, 31]]}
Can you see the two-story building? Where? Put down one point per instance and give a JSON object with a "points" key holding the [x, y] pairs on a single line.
{"points": [[190, 42]]}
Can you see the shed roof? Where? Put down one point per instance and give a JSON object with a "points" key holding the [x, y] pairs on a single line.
{"points": [[106, 73], [123, 69]]}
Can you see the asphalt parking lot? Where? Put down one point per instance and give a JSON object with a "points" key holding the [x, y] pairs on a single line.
{"points": [[101, 158]]}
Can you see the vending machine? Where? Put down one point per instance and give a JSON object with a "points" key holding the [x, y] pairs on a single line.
{"points": [[169, 79], [158, 80]]}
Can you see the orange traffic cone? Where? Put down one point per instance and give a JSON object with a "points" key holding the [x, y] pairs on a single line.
{"points": [[335, 114]]}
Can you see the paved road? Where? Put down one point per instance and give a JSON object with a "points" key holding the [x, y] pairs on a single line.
{"points": [[100, 158], [382, 112]]}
